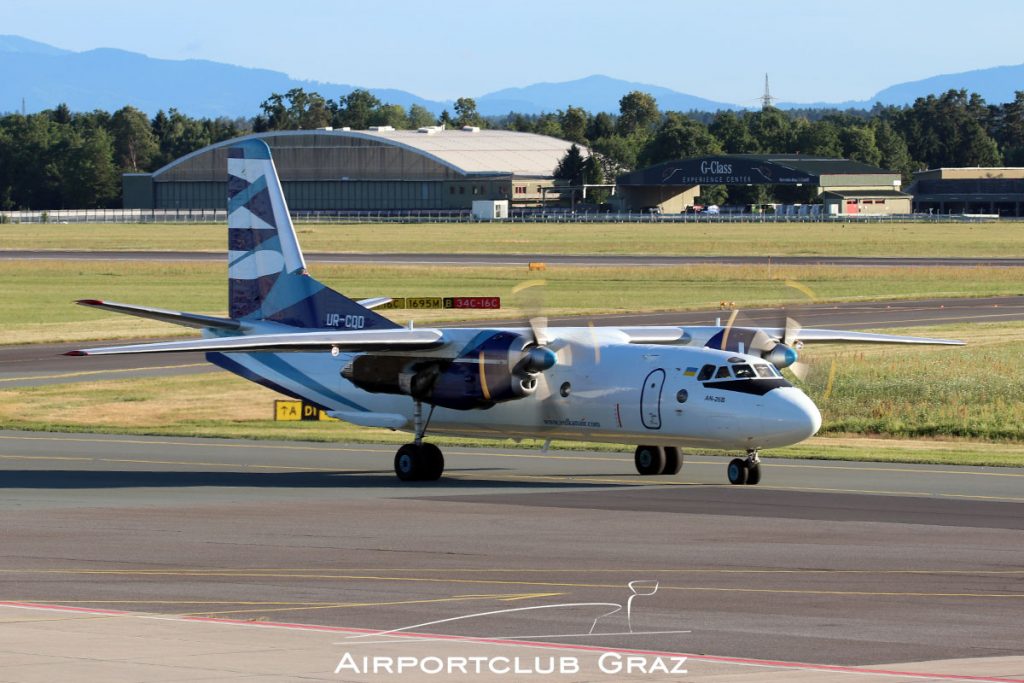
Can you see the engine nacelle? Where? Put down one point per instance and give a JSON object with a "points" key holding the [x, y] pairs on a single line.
{"points": [[781, 356], [497, 367]]}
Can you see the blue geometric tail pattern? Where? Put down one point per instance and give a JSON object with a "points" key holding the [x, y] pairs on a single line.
{"points": [[267, 278]]}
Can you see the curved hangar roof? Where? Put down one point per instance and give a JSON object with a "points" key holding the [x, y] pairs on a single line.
{"points": [[384, 155], [757, 169]]}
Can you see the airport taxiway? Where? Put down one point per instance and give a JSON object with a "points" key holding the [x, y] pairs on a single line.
{"points": [[43, 363], [477, 260], [850, 564]]}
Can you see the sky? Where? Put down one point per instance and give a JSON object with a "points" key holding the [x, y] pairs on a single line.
{"points": [[812, 51]]}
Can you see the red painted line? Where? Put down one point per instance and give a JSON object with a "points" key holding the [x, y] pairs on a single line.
{"points": [[741, 661]]}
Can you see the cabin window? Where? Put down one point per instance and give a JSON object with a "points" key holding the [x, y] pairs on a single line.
{"points": [[723, 373], [705, 373], [743, 371]]}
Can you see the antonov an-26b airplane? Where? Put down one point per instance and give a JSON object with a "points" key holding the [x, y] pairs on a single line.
{"points": [[665, 388]]}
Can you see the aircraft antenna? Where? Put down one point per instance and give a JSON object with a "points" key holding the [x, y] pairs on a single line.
{"points": [[766, 98]]}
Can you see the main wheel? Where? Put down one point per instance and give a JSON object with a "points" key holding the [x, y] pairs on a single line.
{"points": [[673, 460], [649, 459], [419, 463], [737, 471], [753, 474], [433, 462], [409, 463]]}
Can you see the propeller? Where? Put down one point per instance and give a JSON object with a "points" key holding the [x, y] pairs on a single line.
{"points": [[782, 353]]}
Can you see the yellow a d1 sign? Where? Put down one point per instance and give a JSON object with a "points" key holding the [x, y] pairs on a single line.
{"points": [[285, 411]]}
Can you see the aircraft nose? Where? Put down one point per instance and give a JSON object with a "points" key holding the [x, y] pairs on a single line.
{"points": [[791, 416]]}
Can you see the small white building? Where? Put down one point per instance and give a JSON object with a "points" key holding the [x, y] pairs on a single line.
{"points": [[490, 210]]}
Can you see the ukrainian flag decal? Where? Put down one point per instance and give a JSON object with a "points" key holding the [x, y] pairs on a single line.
{"points": [[690, 372]]}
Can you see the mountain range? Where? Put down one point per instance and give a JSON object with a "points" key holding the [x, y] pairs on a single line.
{"points": [[42, 76]]}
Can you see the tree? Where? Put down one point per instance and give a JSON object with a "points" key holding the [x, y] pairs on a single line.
{"points": [[389, 115], [355, 110], [135, 146], [820, 138], [678, 137], [732, 132], [948, 130], [571, 167], [550, 125], [420, 117], [859, 145], [466, 113], [637, 111], [91, 179], [772, 129], [892, 149], [602, 125], [573, 122], [621, 152]]}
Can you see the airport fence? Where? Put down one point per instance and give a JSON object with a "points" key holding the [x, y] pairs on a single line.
{"points": [[219, 216]]}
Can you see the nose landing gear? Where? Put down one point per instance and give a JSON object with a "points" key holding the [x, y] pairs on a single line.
{"points": [[745, 470]]}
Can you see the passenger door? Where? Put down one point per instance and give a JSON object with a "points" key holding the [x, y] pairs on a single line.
{"points": [[650, 399]]}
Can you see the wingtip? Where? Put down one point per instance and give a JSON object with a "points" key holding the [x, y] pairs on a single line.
{"points": [[76, 353], [89, 302]]}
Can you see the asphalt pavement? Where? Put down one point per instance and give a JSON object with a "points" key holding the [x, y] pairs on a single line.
{"points": [[830, 563]]}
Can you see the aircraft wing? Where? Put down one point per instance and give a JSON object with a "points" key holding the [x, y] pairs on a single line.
{"points": [[811, 335], [164, 315], [651, 334], [343, 340]]}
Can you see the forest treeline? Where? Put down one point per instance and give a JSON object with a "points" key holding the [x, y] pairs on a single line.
{"points": [[63, 159]]}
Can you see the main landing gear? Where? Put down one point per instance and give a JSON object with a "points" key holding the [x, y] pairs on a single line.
{"points": [[658, 460], [419, 461], [745, 470]]}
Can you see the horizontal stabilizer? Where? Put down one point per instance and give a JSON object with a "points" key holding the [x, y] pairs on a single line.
{"points": [[374, 302], [177, 317], [361, 340]]}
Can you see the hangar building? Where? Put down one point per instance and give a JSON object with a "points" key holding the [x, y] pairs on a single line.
{"points": [[380, 169], [845, 187], [969, 190]]}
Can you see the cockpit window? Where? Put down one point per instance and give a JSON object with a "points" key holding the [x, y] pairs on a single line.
{"points": [[723, 373], [763, 371], [743, 371], [705, 373]]}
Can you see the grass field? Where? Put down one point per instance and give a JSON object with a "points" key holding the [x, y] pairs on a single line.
{"points": [[924, 404], [731, 239], [37, 306]]}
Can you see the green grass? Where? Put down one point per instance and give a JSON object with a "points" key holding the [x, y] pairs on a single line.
{"points": [[946, 405], [37, 306], [732, 239], [972, 391]]}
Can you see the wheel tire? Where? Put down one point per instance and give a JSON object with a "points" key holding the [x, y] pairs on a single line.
{"points": [[737, 471], [753, 474], [409, 463], [673, 460], [649, 460], [433, 462]]}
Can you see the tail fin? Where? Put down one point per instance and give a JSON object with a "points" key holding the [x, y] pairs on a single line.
{"points": [[267, 278]]}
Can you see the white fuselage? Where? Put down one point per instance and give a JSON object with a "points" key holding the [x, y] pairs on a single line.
{"points": [[602, 388]]}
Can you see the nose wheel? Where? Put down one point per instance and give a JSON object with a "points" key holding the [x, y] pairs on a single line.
{"points": [[745, 470]]}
